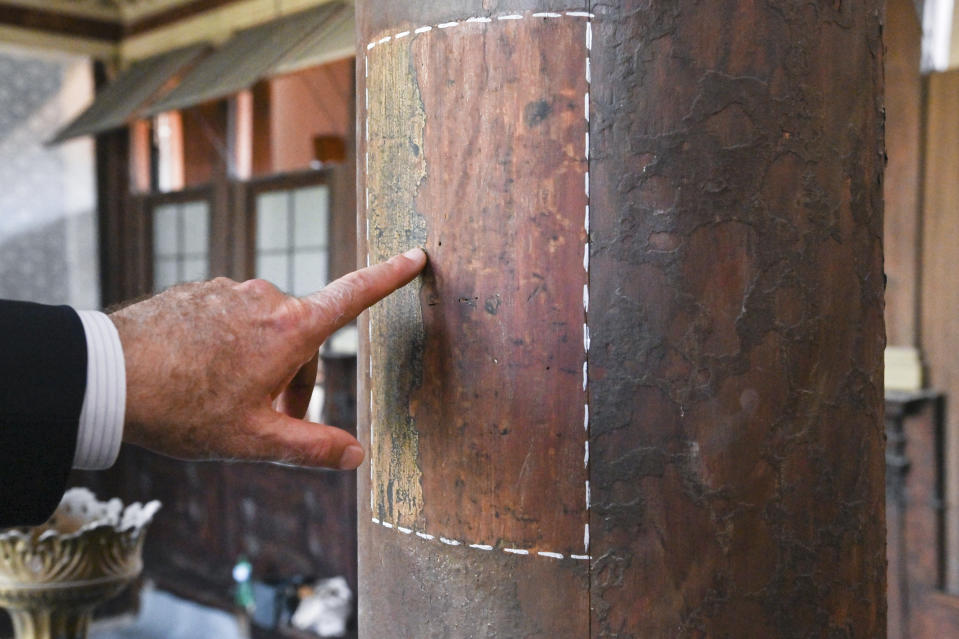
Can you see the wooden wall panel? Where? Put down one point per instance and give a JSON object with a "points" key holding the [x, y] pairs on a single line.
{"points": [[313, 101], [918, 608], [289, 521], [903, 35], [939, 329]]}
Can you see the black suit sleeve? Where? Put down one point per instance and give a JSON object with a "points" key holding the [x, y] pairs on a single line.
{"points": [[43, 374]]}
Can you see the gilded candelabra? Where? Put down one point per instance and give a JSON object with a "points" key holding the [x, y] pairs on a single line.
{"points": [[53, 576]]}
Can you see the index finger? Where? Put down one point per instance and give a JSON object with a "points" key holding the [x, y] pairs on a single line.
{"points": [[341, 301]]}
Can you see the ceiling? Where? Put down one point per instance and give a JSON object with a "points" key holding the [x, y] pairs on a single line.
{"points": [[123, 11], [121, 31]]}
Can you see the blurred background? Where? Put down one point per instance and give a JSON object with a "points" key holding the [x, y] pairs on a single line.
{"points": [[149, 142]]}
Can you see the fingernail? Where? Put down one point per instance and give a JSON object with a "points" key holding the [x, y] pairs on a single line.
{"points": [[414, 254], [351, 458]]}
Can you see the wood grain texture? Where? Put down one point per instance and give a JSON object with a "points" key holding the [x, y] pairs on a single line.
{"points": [[735, 382], [477, 151], [396, 123], [503, 406], [492, 449]]}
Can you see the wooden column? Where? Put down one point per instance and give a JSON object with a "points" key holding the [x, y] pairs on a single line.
{"points": [[638, 393], [113, 223], [342, 224]]}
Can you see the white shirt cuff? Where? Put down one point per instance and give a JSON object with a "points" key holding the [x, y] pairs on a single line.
{"points": [[104, 400]]}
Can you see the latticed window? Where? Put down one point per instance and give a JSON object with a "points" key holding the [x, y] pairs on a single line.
{"points": [[181, 240], [292, 244]]}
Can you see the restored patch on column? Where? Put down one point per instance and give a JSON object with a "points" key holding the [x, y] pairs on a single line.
{"points": [[395, 170], [478, 134]]}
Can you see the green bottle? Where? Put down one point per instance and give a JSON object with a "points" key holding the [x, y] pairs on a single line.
{"points": [[243, 595]]}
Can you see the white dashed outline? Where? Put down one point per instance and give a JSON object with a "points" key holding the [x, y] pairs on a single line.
{"points": [[586, 254]]}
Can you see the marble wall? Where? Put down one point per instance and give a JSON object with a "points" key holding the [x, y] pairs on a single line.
{"points": [[48, 242]]}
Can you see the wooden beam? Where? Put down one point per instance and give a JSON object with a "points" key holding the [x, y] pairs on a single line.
{"points": [[173, 14], [60, 23], [215, 24], [100, 28], [45, 40], [101, 36]]}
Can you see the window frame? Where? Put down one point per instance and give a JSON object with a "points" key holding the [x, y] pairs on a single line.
{"points": [[285, 182], [151, 201]]}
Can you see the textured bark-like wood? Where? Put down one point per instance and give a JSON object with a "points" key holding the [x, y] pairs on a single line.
{"points": [[735, 315], [736, 367]]}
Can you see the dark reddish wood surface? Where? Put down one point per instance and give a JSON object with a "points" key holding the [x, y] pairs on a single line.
{"points": [[488, 456], [413, 588], [502, 443], [500, 431], [735, 380], [113, 213], [262, 138], [736, 367], [205, 147]]}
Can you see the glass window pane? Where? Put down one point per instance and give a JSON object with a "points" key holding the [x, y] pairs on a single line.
{"points": [[309, 271], [196, 228], [164, 273], [195, 269], [311, 216], [165, 238], [273, 268], [271, 220]]}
